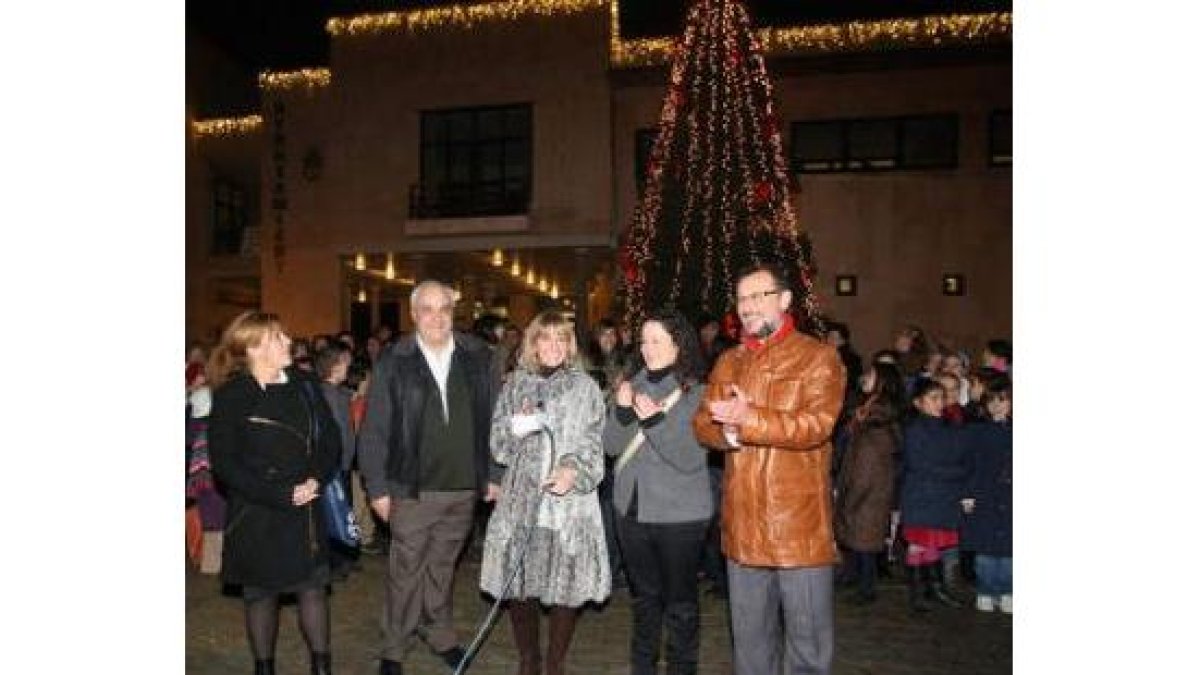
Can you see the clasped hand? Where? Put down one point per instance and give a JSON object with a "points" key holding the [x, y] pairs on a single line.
{"points": [[643, 406], [561, 481], [730, 412], [305, 492]]}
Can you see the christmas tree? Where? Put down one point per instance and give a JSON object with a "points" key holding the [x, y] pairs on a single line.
{"points": [[716, 192]]}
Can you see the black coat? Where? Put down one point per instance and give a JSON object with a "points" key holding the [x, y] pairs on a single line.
{"points": [[934, 471], [989, 529], [389, 443], [259, 444]]}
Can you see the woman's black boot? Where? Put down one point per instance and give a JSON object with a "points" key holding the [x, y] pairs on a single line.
{"points": [[322, 664], [264, 667]]}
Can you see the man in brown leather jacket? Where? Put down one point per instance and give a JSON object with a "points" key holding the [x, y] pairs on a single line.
{"points": [[771, 403]]}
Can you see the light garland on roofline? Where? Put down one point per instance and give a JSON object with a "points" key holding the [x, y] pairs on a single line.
{"points": [[459, 16], [930, 31], [305, 78], [227, 126]]}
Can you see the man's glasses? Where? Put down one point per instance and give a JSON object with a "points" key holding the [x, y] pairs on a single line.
{"points": [[756, 297]]}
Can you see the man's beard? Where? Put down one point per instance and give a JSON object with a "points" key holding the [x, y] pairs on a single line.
{"points": [[765, 330]]}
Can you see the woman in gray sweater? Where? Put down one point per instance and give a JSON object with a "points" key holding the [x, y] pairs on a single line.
{"points": [[661, 492]]}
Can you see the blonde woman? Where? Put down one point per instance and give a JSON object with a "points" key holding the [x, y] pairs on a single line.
{"points": [[273, 443], [546, 429]]}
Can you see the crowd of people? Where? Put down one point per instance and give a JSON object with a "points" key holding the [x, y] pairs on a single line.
{"points": [[774, 465]]}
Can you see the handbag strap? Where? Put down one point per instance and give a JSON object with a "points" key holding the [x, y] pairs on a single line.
{"points": [[640, 438], [314, 426]]}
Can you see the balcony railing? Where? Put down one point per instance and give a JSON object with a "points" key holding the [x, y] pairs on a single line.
{"points": [[468, 200]]}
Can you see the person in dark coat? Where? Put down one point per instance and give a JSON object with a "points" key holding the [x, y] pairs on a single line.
{"points": [[273, 445], [987, 529], [424, 456], [333, 367], [934, 470], [866, 476]]}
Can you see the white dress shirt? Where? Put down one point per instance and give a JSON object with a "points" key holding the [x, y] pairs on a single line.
{"points": [[439, 364]]}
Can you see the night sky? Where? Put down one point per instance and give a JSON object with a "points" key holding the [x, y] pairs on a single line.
{"points": [[288, 34]]}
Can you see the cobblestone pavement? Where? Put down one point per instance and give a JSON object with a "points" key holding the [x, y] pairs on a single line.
{"points": [[882, 639]]}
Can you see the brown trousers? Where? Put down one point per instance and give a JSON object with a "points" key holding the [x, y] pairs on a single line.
{"points": [[427, 535]]}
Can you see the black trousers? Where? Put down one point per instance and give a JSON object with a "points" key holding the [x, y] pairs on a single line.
{"points": [[662, 561]]}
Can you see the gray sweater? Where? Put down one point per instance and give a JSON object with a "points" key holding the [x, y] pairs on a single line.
{"points": [[670, 470]]}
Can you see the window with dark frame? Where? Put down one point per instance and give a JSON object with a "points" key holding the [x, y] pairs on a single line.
{"points": [[229, 217], [474, 162], [912, 142], [1000, 138]]}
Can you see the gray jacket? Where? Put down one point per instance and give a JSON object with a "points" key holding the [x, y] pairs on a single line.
{"points": [[338, 398], [670, 470], [566, 562]]}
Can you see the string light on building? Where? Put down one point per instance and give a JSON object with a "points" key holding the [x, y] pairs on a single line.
{"points": [[360, 262], [463, 16], [307, 79], [390, 270], [227, 126], [362, 295], [497, 258], [543, 285], [851, 36], [515, 270], [530, 277], [554, 290]]}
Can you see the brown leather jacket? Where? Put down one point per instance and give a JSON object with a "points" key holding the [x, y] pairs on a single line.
{"points": [[778, 509]]}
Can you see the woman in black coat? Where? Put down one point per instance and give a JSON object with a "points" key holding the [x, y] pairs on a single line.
{"points": [[273, 444]]}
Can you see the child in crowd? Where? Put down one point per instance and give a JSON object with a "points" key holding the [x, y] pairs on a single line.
{"points": [[934, 470], [953, 413], [988, 504], [977, 385], [957, 363], [201, 490]]}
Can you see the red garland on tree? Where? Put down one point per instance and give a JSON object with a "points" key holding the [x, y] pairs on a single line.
{"points": [[628, 267], [763, 191]]}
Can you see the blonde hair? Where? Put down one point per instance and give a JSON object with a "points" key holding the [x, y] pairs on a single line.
{"points": [[246, 330], [549, 320]]}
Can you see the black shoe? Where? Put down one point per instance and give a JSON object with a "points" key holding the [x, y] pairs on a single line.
{"points": [[917, 582], [390, 667], [452, 657], [264, 667], [939, 591], [322, 664]]}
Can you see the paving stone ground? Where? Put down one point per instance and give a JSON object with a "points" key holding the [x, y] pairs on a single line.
{"points": [[881, 639]]}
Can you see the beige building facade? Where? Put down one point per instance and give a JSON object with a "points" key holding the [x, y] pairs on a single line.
{"points": [[336, 176]]}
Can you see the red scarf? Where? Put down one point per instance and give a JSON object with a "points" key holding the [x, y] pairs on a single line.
{"points": [[788, 327]]}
